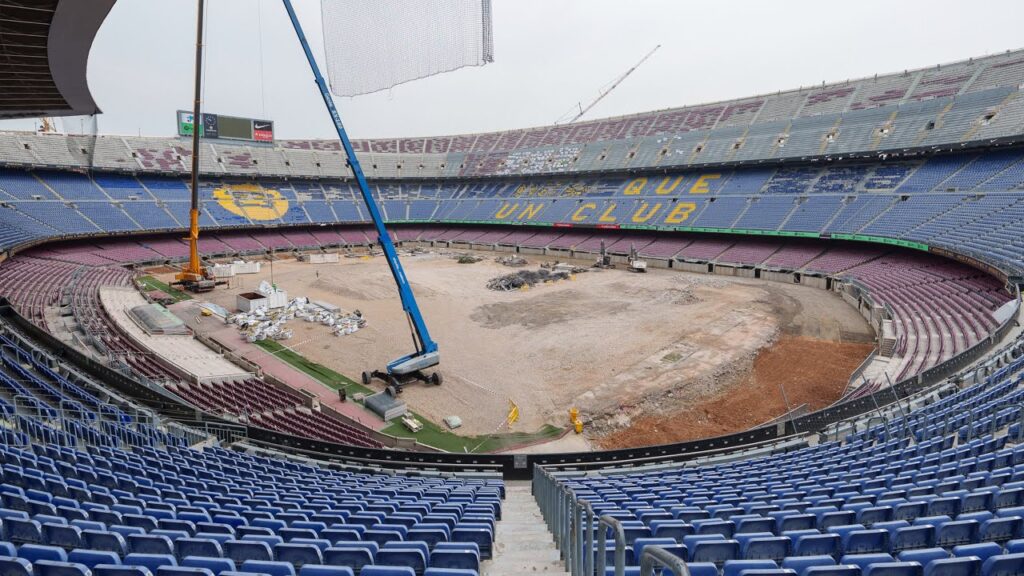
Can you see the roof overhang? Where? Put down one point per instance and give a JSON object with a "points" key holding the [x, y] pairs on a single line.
{"points": [[44, 53]]}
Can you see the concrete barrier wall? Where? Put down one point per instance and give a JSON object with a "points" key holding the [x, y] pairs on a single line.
{"points": [[773, 276], [815, 282], [724, 270], [698, 267], [534, 251], [658, 263]]}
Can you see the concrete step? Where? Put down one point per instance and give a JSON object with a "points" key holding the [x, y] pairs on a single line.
{"points": [[533, 554], [521, 537], [524, 567], [522, 543]]}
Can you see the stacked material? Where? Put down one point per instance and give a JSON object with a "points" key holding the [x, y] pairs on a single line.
{"points": [[261, 323]]}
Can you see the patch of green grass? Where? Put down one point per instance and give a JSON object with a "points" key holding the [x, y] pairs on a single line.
{"points": [[432, 434], [153, 284], [318, 371], [438, 436]]}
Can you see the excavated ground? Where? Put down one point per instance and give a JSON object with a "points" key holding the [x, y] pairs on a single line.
{"points": [[644, 356]]}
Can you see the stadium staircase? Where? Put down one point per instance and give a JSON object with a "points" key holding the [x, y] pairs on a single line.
{"points": [[522, 542]]}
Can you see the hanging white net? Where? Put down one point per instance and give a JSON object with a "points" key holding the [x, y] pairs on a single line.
{"points": [[373, 45]]}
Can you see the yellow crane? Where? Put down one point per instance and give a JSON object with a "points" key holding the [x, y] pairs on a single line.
{"points": [[194, 276]]}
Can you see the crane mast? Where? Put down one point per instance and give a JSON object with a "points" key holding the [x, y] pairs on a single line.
{"points": [[614, 85]]}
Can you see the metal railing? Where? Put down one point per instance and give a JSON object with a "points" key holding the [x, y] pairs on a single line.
{"points": [[657, 556], [573, 524]]}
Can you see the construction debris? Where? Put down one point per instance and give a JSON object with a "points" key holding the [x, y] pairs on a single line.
{"points": [[261, 323], [526, 278], [512, 261], [557, 266], [468, 259]]}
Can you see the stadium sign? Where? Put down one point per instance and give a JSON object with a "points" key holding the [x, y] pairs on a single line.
{"points": [[226, 127]]}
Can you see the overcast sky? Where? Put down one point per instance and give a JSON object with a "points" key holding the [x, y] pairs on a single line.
{"points": [[549, 55]]}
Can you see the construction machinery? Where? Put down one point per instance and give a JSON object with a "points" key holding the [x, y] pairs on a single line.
{"points": [[612, 86], [604, 260], [634, 263], [194, 277], [411, 367]]}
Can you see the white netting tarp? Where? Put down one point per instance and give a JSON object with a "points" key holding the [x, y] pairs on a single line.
{"points": [[372, 45]]}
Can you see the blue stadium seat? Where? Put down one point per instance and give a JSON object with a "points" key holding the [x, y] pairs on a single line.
{"points": [[118, 570], [387, 571], [837, 570], [966, 566], [242, 550], [800, 564], [36, 552], [714, 551], [411, 558], [183, 571], [465, 559], [818, 545], [107, 541], [298, 554], [149, 561], [272, 568], [1003, 565], [863, 560], [91, 558], [736, 567], [67, 537], [15, 567], [893, 569], [983, 550], [197, 547], [148, 544], [214, 564], [311, 570], [923, 555]]}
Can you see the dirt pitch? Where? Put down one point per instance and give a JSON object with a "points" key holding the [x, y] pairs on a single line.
{"points": [[625, 348]]}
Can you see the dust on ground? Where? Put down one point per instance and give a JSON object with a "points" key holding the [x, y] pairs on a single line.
{"points": [[811, 371], [603, 342]]}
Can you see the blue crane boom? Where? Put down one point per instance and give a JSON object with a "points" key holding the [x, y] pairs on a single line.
{"points": [[426, 354]]}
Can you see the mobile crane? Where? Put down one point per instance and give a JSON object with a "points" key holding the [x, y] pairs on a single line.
{"points": [[411, 367]]}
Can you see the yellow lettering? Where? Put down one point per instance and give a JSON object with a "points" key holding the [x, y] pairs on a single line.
{"points": [[646, 211], [635, 186], [530, 211], [680, 213], [578, 215], [662, 189], [607, 216], [506, 210], [701, 186]]}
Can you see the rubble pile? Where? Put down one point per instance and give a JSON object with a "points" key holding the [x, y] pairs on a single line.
{"points": [[511, 261], [262, 324], [518, 280]]}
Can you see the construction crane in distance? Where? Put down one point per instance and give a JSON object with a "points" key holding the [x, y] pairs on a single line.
{"points": [[615, 83]]}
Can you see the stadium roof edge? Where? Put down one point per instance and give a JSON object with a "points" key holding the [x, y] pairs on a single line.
{"points": [[44, 52], [825, 85]]}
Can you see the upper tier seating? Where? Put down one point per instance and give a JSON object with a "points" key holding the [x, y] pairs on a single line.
{"points": [[967, 203]]}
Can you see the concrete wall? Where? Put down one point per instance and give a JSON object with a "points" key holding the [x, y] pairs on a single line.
{"points": [[658, 263], [725, 270], [698, 267], [773, 276], [815, 281]]}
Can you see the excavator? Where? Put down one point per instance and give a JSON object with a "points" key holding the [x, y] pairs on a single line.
{"points": [[411, 367]]}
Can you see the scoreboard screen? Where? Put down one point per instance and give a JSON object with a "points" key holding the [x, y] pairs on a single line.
{"points": [[227, 127]]}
